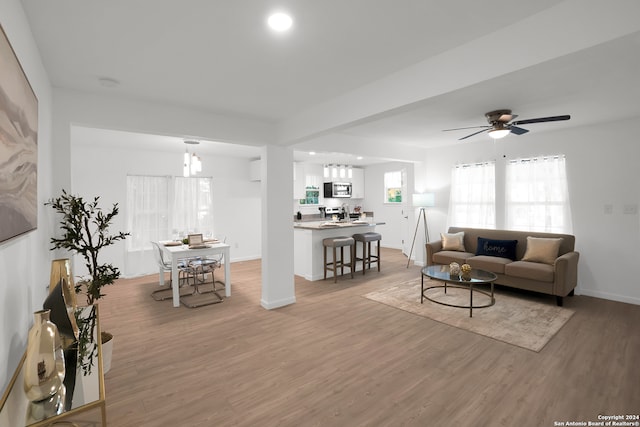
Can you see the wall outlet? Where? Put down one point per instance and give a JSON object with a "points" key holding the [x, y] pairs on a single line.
{"points": [[235, 245], [630, 209], [608, 209]]}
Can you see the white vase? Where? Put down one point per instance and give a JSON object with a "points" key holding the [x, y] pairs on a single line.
{"points": [[107, 353]]}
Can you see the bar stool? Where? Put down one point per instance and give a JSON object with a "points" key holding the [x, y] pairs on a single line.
{"points": [[367, 257], [334, 243]]}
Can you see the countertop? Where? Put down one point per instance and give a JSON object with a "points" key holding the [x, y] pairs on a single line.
{"points": [[331, 225]]}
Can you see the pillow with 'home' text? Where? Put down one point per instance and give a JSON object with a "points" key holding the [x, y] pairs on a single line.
{"points": [[498, 248]]}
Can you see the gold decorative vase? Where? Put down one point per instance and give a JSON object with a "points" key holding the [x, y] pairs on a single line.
{"points": [[44, 363], [49, 407], [62, 301], [465, 272]]}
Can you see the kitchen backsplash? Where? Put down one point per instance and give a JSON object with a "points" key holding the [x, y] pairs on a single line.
{"points": [[329, 203]]}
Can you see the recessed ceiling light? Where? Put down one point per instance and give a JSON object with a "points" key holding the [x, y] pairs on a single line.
{"points": [[312, 153], [280, 21]]}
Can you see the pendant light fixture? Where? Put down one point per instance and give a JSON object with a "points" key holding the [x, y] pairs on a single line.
{"points": [[332, 171], [191, 163]]}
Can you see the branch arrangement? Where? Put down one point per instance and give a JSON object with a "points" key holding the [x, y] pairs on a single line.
{"points": [[84, 228]]}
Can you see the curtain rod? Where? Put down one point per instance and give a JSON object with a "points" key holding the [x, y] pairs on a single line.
{"points": [[535, 159]]}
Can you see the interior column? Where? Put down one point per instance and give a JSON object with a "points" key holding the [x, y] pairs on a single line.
{"points": [[277, 227]]}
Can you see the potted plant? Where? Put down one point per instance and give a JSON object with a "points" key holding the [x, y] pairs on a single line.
{"points": [[85, 231]]}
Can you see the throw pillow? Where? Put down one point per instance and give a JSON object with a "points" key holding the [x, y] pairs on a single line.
{"points": [[499, 248], [542, 249], [453, 241]]}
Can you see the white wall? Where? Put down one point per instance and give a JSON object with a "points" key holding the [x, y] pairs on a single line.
{"points": [[602, 170], [105, 169], [107, 111], [102, 171], [25, 260]]}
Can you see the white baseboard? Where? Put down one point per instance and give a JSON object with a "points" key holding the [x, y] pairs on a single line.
{"points": [[277, 304], [246, 258], [607, 295], [390, 246]]}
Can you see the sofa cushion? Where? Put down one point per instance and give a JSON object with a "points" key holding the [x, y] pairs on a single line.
{"points": [[447, 257], [530, 270], [542, 249], [453, 241], [493, 264], [497, 248]]}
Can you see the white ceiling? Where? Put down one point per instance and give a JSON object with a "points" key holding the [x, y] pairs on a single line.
{"points": [[327, 82]]}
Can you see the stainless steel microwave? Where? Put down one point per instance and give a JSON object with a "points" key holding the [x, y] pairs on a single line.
{"points": [[337, 189]]}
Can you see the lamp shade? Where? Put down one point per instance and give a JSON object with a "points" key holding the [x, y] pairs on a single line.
{"points": [[424, 200]]}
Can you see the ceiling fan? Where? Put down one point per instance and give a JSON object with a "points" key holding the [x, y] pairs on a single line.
{"points": [[501, 124]]}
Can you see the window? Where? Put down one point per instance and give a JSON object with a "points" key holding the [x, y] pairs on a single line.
{"points": [[393, 187], [472, 200], [147, 210], [537, 196], [162, 208], [193, 206]]}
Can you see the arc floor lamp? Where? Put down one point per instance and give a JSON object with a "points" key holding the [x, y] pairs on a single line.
{"points": [[422, 201]]}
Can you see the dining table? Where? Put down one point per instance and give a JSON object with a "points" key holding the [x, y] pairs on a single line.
{"points": [[178, 251]]}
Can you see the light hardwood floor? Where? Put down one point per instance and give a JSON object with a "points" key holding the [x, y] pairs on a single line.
{"points": [[335, 358]]}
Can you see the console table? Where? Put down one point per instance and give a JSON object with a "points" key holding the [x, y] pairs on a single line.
{"points": [[82, 400]]}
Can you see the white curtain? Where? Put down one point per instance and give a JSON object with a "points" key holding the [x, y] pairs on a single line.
{"points": [[147, 220], [163, 208], [472, 201], [537, 196], [193, 206]]}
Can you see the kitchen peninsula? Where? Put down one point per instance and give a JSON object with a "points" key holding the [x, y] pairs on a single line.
{"points": [[308, 249]]}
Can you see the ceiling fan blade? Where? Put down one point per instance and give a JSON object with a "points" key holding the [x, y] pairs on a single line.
{"points": [[518, 131], [475, 133], [471, 127], [542, 120]]}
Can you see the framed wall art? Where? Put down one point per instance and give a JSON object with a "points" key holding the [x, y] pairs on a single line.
{"points": [[18, 147]]}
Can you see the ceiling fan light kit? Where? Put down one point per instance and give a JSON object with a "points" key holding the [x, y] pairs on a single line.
{"points": [[499, 133], [501, 124]]}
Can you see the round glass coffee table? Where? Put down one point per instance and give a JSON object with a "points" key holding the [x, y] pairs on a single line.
{"points": [[441, 274]]}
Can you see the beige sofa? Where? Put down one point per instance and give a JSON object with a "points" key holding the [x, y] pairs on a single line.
{"points": [[557, 278]]}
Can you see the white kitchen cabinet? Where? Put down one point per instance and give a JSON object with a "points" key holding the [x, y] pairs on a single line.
{"points": [[307, 183], [298, 180], [313, 175], [357, 183]]}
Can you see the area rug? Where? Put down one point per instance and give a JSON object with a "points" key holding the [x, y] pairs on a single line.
{"points": [[518, 320]]}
